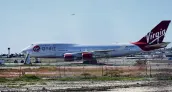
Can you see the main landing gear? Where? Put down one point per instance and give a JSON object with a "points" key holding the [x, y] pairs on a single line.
{"points": [[91, 61]]}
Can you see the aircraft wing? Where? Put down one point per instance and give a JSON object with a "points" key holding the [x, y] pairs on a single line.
{"points": [[94, 51], [102, 50], [121, 48], [102, 53], [99, 53]]}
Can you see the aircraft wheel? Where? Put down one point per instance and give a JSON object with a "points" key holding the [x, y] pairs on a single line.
{"points": [[94, 61]]}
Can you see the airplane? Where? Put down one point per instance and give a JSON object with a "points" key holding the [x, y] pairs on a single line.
{"points": [[89, 53]]}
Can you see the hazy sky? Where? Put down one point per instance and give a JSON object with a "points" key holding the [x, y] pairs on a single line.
{"points": [[23, 22]]}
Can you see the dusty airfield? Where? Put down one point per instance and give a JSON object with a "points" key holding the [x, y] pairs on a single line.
{"points": [[148, 72], [70, 71]]}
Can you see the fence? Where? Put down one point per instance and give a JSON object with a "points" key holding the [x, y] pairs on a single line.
{"points": [[154, 68]]}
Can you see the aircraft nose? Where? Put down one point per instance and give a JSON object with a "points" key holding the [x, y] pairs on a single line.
{"points": [[24, 51]]}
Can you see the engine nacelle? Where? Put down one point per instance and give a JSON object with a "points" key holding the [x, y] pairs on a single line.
{"points": [[72, 56], [87, 56], [69, 57]]}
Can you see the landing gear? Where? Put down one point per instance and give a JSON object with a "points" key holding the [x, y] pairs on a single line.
{"points": [[37, 60], [92, 61]]}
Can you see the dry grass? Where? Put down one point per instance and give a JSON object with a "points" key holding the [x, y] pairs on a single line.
{"points": [[71, 71]]}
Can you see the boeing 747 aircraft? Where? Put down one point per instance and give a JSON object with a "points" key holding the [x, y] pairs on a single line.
{"points": [[70, 52]]}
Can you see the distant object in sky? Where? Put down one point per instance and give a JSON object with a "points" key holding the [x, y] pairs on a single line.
{"points": [[73, 14]]}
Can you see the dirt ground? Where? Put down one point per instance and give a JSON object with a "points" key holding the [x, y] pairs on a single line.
{"points": [[72, 71]]}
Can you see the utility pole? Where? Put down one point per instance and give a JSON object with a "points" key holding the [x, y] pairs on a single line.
{"points": [[102, 70], [150, 70], [146, 67]]}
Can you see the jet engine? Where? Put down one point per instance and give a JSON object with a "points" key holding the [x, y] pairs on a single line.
{"points": [[87, 56], [69, 57], [72, 56]]}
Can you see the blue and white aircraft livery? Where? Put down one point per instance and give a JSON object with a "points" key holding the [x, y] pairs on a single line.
{"points": [[70, 52]]}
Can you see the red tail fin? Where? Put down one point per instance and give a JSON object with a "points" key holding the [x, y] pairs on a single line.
{"points": [[154, 39], [157, 34]]}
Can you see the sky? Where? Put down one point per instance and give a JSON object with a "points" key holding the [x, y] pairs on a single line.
{"points": [[23, 22]]}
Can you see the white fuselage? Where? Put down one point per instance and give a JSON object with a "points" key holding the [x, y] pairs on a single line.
{"points": [[58, 50]]}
